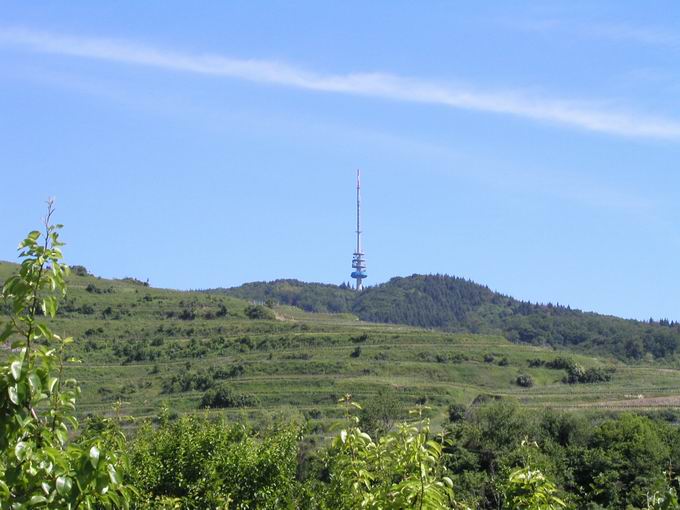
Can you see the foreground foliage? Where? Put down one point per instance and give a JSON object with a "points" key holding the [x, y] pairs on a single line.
{"points": [[403, 469], [200, 463], [40, 465]]}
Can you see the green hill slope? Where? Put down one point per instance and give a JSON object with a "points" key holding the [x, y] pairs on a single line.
{"points": [[456, 304], [148, 348]]}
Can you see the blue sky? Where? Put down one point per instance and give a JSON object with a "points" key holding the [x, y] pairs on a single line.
{"points": [[529, 146]]}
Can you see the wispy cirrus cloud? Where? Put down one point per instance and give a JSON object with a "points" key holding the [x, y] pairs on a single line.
{"points": [[654, 36], [379, 85], [620, 32]]}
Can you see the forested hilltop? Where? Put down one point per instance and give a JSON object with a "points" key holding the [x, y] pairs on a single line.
{"points": [[456, 304]]}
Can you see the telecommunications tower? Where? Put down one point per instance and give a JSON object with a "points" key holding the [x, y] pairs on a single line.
{"points": [[358, 262]]}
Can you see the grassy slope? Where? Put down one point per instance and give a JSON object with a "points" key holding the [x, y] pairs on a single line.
{"points": [[301, 362]]}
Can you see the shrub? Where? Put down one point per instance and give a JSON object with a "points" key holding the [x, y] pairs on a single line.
{"points": [[524, 380], [259, 312], [489, 358], [356, 352], [359, 338], [380, 412], [135, 281], [86, 309], [187, 314], [456, 412], [225, 396], [561, 363], [197, 463], [577, 374], [79, 270]]}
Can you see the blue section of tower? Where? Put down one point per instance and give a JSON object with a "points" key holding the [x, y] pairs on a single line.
{"points": [[358, 262]]}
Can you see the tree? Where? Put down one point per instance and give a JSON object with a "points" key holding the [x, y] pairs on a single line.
{"points": [[40, 464], [378, 416], [403, 469]]}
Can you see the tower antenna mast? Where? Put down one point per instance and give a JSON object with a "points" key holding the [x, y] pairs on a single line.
{"points": [[358, 262]]}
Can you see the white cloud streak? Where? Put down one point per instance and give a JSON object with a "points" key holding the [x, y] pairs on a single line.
{"points": [[620, 32], [379, 85]]}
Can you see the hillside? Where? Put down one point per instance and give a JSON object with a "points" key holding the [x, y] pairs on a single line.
{"points": [[456, 304], [149, 348]]}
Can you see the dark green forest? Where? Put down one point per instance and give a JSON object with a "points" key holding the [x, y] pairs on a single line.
{"points": [[456, 304]]}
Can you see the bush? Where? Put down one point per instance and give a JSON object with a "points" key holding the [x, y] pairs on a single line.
{"points": [[198, 464], [561, 363], [86, 309], [356, 352], [187, 314], [457, 413], [79, 270], [259, 312], [524, 380], [577, 374], [360, 338], [225, 396], [379, 413]]}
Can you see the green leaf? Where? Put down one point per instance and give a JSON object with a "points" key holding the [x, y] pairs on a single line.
{"points": [[113, 474], [52, 383], [62, 435], [44, 331], [64, 485], [49, 306], [13, 395], [21, 450], [6, 332], [34, 383], [15, 367], [94, 456], [365, 436], [37, 500]]}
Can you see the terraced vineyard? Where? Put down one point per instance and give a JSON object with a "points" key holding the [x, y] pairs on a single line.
{"points": [[147, 348]]}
